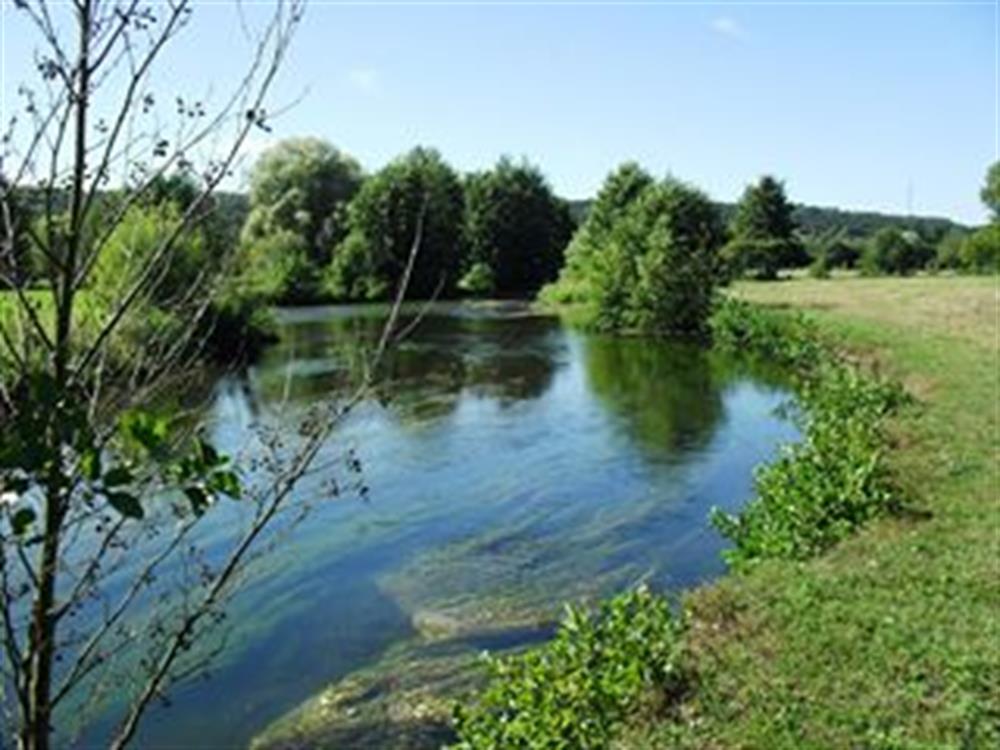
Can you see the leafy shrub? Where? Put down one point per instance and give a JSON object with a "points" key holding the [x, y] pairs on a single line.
{"points": [[760, 258], [837, 478], [516, 226], [478, 280], [948, 254], [894, 251], [657, 269], [276, 268], [820, 267], [576, 690], [843, 253], [831, 249], [136, 244], [620, 190], [981, 250], [742, 328], [353, 275]]}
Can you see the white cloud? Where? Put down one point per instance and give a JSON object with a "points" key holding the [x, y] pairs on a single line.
{"points": [[365, 80], [728, 27]]}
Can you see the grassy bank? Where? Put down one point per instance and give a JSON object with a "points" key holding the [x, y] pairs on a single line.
{"points": [[891, 639]]}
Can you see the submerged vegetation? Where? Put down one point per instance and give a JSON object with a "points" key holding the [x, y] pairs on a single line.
{"points": [[602, 669]]}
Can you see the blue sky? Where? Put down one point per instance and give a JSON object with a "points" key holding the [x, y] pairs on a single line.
{"points": [[857, 106]]}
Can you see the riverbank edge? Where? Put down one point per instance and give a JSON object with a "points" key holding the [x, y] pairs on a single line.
{"points": [[889, 640], [785, 338], [795, 515]]}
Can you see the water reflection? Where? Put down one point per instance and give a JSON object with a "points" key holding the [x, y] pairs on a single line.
{"points": [[423, 376], [512, 463], [668, 396]]}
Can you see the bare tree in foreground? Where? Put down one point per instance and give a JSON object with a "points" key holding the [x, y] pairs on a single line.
{"points": [[106, 594]]}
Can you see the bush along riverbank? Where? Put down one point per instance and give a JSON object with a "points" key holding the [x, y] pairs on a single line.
{"points": [[837, 478], [630, 662]]}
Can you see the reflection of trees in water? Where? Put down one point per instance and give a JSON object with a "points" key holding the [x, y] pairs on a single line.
{"points": [[669, 396], [426, 374]]}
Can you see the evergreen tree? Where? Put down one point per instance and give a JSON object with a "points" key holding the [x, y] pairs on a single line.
{"points": [[763, 232]]}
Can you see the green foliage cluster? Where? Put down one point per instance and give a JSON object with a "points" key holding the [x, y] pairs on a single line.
{"points": [[578, 280], [234, 322], [837, 478], [516, 227], [318, 229], [575, 691], [896, 251], [763, 233], [133, 245], [299, 191], [646, 259], [416, 190], [990, 193], [980, 251], [116, 471], [831, 249], [478, 281], [816, 220]]}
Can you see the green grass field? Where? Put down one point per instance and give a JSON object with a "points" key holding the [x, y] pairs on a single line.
{"points": [[892, 639]]}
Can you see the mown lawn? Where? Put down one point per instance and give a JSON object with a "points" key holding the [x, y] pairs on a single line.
{"points": [[892, 639]]}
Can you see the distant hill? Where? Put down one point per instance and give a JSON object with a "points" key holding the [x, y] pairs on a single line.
{"points": [[817, 219]]}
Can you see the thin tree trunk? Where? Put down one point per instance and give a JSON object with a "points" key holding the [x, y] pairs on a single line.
{"points": [[36, 734]]}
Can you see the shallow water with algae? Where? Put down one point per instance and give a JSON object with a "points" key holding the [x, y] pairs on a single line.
{"points": [[512, 463]]}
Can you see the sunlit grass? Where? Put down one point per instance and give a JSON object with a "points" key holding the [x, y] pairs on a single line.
{"points": [[892, 639]]}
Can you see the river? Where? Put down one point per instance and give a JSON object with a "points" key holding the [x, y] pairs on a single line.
{"points": [[511, 464]]}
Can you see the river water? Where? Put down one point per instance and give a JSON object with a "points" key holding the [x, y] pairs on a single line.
{"points": [[512, 463]]}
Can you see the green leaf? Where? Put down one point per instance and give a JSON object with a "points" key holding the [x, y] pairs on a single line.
{"points": [[90, 464], [21, 520], [209, 456], [226, 483], [118, 476], [148, 430], [126, 504], [200, 499]]}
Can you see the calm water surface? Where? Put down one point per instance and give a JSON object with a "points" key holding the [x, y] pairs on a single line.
{"points": [[518, 463]]}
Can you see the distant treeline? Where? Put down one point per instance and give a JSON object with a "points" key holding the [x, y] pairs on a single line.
{"points": [[315, 228], [814, 220]]}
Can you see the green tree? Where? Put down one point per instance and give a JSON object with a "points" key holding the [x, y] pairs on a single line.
{"points": [[980, 252], [132, 248], [658, 270], [621, 189], [516, 227], [416, 191], [990, 192], [948, 253], [299, 188], [102, 492], [179, 188], [892, 250], [763, 232]]}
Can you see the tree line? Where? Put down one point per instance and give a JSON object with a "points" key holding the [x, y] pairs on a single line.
{"points": [[318, 229]]}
